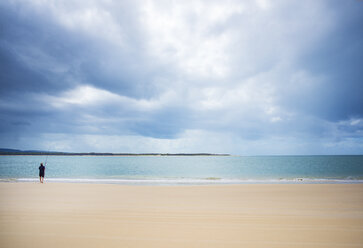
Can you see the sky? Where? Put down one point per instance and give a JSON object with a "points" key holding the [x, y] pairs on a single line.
{"points": [[246, 77]]}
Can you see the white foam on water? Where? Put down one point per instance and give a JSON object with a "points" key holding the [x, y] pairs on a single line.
{"points": [[187, 181]]}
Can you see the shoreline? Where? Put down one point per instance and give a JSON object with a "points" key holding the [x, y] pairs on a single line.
{"points": [[183, 181], [177, 155], [214, 216], [116, 154]]}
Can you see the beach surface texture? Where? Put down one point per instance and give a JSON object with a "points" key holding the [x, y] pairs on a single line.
{"points": [[96, 215]]}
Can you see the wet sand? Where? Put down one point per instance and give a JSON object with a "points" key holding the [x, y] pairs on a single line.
{"points": [[95, 215]]}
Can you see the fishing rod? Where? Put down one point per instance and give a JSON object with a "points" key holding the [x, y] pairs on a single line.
{"points": [[46, 158]]}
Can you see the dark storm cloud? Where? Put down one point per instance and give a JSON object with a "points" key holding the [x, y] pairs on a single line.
{"points": [[337, 60], [39, 56], [30, 52]]}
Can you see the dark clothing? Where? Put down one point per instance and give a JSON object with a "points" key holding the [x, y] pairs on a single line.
{"points": [[41, 171]]}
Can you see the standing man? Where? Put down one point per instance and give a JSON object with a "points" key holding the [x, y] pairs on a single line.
{"points": [[41, 172]]}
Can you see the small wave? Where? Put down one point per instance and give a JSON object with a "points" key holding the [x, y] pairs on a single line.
{"points": [[8, 180], [188, 181], [213, 178]]}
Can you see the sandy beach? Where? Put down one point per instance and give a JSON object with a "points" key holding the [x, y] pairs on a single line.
{"points": [[90, 215]]}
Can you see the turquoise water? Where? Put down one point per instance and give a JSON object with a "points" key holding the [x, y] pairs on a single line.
{"points": [[185, 169]]}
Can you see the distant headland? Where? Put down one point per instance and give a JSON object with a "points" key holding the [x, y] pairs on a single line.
{"points": [[5, 151]]}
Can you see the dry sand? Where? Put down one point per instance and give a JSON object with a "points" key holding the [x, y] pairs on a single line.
{"points": [[86, 215]]}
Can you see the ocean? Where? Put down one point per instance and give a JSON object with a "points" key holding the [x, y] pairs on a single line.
{"points": [[184, 170]]}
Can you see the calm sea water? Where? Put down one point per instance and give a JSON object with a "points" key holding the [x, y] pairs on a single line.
{"points": [[185, 169]]}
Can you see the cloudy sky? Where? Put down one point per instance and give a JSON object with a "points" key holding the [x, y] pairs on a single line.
{"points": [[252, 77]]}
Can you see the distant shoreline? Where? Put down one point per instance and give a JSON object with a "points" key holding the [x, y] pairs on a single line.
{"points": [[107, 154]]}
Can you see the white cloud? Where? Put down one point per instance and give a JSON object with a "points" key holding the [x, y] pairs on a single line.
{"points": [[182, 34], [355, 122], [90, 98]]}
